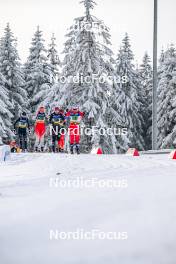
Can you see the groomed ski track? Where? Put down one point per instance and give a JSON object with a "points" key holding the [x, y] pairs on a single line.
{"points": [[30, 208]]}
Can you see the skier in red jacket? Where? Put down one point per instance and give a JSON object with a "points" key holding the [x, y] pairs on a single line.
{"points": [[75, 116], [40, 129]]}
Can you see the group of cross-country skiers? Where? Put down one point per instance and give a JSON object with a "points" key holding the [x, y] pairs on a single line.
{"points": [[58, 120]]}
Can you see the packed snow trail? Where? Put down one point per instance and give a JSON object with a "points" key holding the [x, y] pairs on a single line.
{"points": [[30, 208]]}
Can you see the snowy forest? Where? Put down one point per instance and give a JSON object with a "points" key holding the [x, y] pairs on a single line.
{"points": [[124, 100]]}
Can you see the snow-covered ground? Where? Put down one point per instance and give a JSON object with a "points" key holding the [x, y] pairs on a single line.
{"points": [[31, 207]]}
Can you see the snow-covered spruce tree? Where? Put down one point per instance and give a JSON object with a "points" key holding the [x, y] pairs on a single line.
{"points": [[54, 60], [167, 100], [87, 64], [161, 64], [146, 74], [52, 98], [11, 69], [38, 73], [53, 95], [129, 101], [5, 114]]}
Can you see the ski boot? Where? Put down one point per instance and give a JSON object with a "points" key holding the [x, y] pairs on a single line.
{"points": [[42, 149], [61, 150], [53, 149], [77, 149], [24, 150], [71, 149]]}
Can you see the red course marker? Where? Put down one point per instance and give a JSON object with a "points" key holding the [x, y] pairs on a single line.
{"points": [[173, 154], [99, 151], [133, 152]]}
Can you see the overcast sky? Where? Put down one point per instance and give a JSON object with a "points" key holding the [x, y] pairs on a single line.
{"points": [[132, 16]]}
